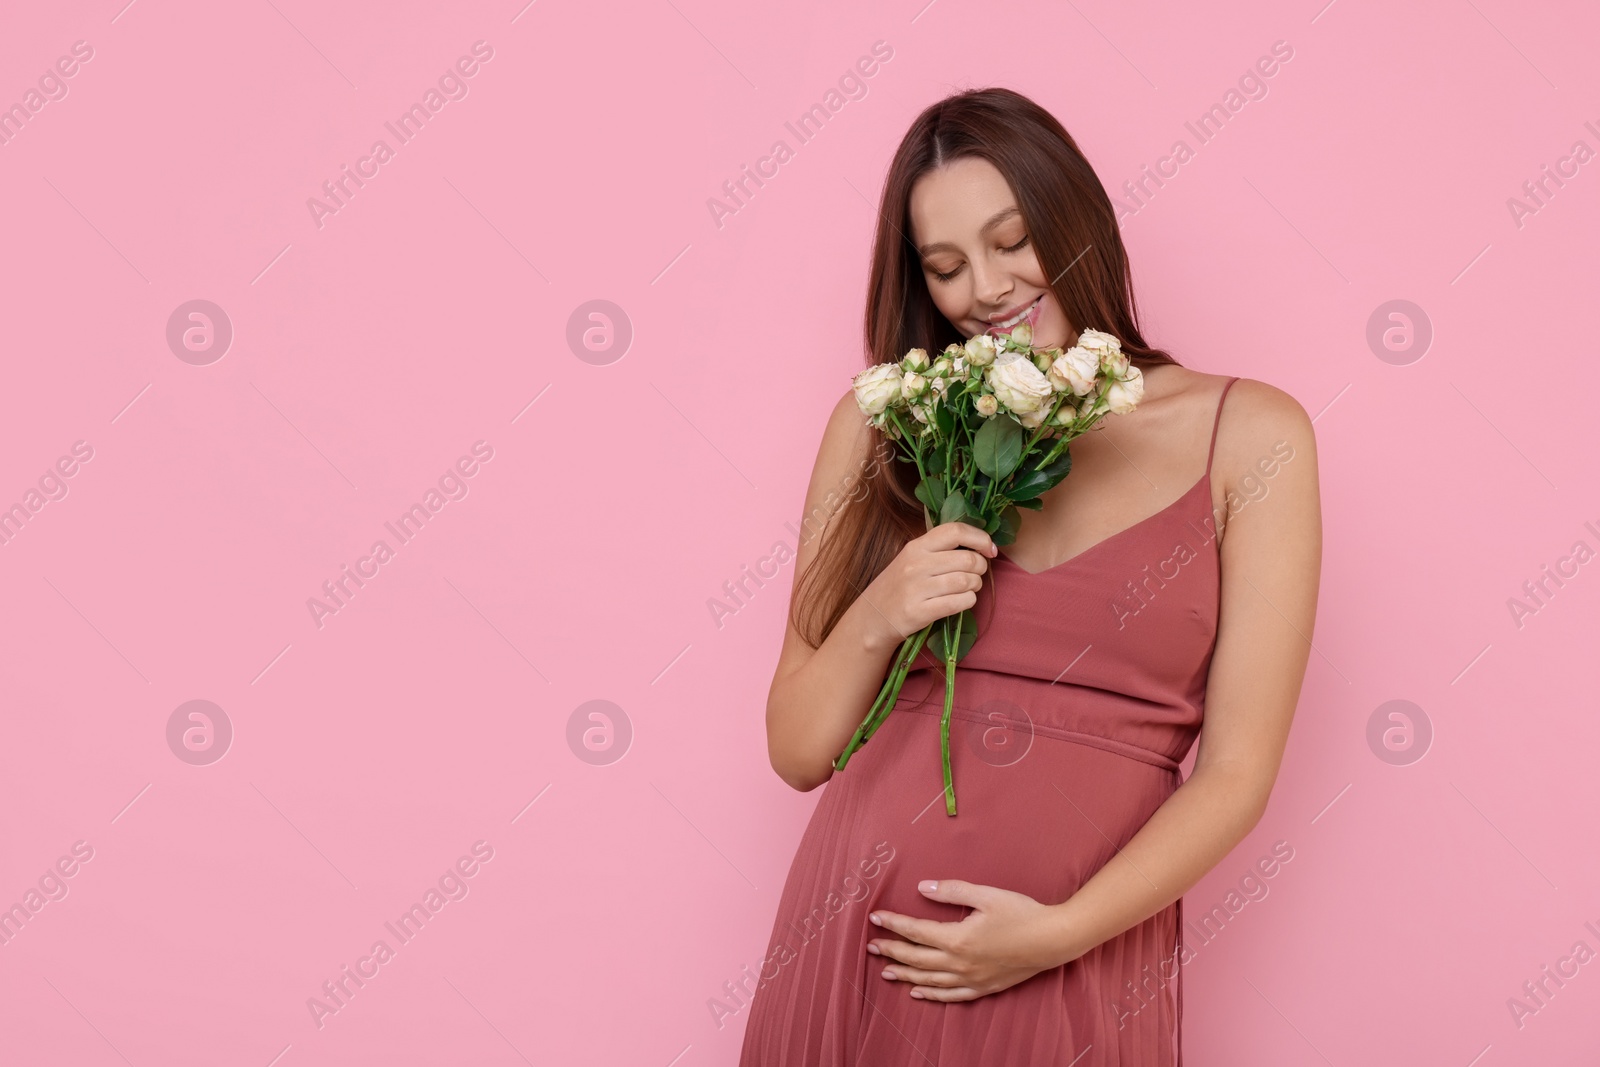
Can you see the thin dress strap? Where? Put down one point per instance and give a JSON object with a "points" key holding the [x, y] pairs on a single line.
{"points": [[1218, 423]]}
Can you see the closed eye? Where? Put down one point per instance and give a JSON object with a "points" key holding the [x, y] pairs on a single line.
{"points": [[1014, 248]]}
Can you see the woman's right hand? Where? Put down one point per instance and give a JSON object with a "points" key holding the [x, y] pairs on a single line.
{"points": [[935, 575]]}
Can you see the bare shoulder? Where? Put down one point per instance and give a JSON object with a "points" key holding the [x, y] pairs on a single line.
{"points": [[1255, 417], [843, 460], [846, 418], [846, 440], [1266, 445]]}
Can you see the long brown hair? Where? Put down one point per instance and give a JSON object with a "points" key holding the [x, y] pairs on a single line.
{"points": [[1074, 232]]}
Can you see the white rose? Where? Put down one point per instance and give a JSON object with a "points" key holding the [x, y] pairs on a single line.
{"points": [[1124, 396], [877, 388], [1075, 371], [916, 359], [986, 405], [1101, 344], [1022, 333], [981, 350], [912, 386], [1034, 419], [959, 366], [941, 367], [1107, 350], [1018, 384]]}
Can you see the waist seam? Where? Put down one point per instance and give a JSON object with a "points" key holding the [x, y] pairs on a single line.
{"points": [[1107, 744]]}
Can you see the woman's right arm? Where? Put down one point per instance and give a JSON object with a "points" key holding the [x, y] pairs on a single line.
{"points": [[820, 695]]}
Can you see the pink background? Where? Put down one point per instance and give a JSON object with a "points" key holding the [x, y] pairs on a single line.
{"points": [[433, 311]]}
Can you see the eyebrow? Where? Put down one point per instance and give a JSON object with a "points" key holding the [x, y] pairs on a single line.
{"points": [[994, 220]]}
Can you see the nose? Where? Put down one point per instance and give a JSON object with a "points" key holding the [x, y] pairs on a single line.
{"points": [[990, 290]]}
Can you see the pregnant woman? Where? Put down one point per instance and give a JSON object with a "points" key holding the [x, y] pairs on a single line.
{"points": [[1165, 593]]}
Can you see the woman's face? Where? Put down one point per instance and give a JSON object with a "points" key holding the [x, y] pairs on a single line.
{"points": [[977, 254]]}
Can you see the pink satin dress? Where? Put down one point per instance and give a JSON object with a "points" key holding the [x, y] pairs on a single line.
{"points": [[1073, 710]]}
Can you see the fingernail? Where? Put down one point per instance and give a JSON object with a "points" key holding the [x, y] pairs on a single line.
{"points": [[873, 949], [875, 920], [928, 887], [916, 994], [889, 975]]}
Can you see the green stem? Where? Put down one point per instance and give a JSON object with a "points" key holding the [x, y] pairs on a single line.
{"points": [[859, 738], [1067, 437], [951, 651], [905, 436], [918, 639], [886, 695], [1045, 425]]}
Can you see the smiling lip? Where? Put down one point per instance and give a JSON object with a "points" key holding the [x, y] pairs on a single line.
{"points": [[1037, 303]]}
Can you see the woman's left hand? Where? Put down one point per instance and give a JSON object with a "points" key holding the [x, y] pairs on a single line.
{"points": [[1008, 938]]}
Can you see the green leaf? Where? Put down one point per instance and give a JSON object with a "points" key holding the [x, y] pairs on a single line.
{"points": [[1058, 467], [934, 464], [998, 446], [931, 492], [953, 508], [969, 634], [1034, 480], [1028, 486], [1010, 523]]}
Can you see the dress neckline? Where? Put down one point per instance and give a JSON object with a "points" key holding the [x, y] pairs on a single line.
{"points": [[1204, 480]]}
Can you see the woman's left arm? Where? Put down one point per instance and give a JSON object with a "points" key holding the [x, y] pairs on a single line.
{"points": [[1271, 565], [1271, 558]]}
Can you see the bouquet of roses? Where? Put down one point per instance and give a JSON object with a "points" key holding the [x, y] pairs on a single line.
{"points": [[987, 424]]}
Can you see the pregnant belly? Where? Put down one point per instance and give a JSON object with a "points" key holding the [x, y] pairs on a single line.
{"points": [[1036, 814]]}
